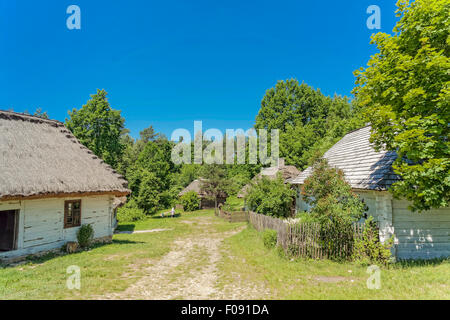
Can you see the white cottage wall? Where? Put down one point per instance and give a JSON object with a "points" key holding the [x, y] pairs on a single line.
{"points": [[41, 222]]}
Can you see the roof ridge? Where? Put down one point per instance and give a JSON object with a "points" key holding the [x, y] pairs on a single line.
{"points": [[11, 115]]}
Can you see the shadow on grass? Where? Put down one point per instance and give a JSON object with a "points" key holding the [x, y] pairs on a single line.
{"points": [[177, 215], [421, 263], [51, 255], [126, 227]]}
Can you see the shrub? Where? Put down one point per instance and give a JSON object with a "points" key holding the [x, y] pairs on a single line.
{"points": [[271, 197], [331, 197], [369, 249], [270, 238], [127, 214], [148, 198], [85, 235], [190, 201]]}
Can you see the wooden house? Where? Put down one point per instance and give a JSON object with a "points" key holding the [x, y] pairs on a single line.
{"points": [[50, 185], [417, 235], [206, 200]]}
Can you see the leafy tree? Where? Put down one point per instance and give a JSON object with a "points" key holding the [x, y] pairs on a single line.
{"points": [[149, 189], [190, 201], [215, 181], [308, 120], [148, 134], [330, 196], [99, 128], [271, 197], [405, 92]]}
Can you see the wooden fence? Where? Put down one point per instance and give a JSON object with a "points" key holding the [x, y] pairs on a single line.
{"points": [[309, 239], [235, 216]]}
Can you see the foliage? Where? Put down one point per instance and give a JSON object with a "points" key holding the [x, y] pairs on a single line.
{"points": [[270, 197], [129, 214], [85, 235], [330, 196], [99, 127], [41, 114], [149, 192], [270, 238], [308, 120], [190, 201], [369, 249], [405, 94], [214, 182]]}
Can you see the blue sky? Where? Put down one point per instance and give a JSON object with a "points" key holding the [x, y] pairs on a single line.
{"points": [[168, 63]]}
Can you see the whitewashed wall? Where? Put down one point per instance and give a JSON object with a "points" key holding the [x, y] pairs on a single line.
{"points": [[421, 235], [41, 222], [416, 235]]}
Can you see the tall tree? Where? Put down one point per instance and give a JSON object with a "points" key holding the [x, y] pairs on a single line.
{"points": [[98, 127], [214, 181], [308, 120], [405, 91]]}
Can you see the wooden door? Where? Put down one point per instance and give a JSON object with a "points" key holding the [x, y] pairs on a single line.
{"points": [[7, 230]]}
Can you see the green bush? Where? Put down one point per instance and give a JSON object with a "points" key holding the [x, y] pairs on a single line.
{"points": [[271, 197], [127, 214], [85, 235], [369, 249], [270, 238], [190, 201], [331, 196]]}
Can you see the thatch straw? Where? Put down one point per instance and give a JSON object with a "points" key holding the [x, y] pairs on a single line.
{"points": [[41, 157], [196, 186]]}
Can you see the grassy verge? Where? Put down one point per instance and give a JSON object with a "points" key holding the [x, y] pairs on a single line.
{"points": [[247, 259]]}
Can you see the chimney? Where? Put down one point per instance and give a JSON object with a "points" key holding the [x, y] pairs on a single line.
{"points": [[280, 162]]}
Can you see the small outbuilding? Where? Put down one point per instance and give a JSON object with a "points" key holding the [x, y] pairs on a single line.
{"points": [[287, 173], [50, 185], [206, 199], [417, 235]]}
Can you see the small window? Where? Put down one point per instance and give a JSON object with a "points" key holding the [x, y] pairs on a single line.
{"points": [[72, 214]]}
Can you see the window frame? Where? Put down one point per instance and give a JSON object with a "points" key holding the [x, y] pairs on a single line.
{"points": [[66, 213]]}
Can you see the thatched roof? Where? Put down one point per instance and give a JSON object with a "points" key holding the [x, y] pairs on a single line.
{"points": [[196, 186], [287, 173], [42, 158], [363, 167]]}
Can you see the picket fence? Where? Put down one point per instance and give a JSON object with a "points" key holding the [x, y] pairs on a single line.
{"points": [[309, 240]]}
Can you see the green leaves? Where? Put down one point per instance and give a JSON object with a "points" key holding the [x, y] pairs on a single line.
{"points": [[271, 197], [309, 122], [330, 196], [404, 92], [99, 127]]}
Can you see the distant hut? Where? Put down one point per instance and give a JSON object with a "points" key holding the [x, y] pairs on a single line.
{"points": [[287, 173], [50, 185], [206, 200]]}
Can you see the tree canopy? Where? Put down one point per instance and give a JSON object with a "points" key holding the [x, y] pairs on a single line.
{"points": [[405, 94], [98, 127], [308, 121]]}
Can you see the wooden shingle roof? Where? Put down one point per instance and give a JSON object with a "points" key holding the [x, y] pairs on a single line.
{"points": [[363, 167]]}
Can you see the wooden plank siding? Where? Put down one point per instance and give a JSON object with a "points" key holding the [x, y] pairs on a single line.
{"points": [[41, 222], [421, 235]]}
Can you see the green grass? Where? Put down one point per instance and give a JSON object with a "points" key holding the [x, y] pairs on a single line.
{"points": [[248, 259], [245, 261], [104, 268], [234, 203]]}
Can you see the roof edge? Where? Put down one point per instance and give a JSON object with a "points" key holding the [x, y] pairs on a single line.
{"points": [[65, 195]]}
